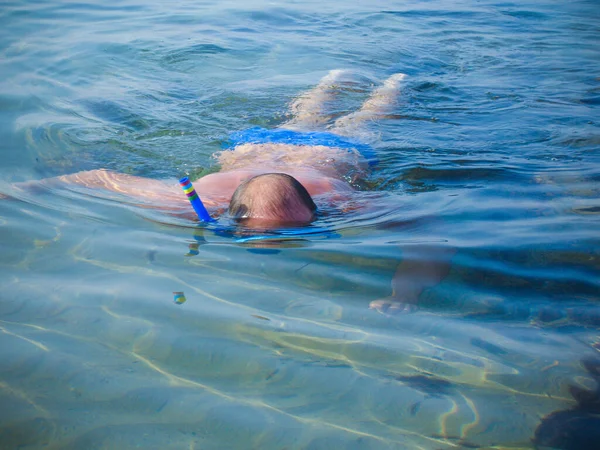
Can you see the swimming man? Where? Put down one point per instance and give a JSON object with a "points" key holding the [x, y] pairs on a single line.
{"points": [[269, 177]]}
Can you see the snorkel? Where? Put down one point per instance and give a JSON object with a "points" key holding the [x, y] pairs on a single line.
{"points": [[195, 200]]}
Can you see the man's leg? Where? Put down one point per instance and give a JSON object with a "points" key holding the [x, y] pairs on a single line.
{"points": [[308, 109], [381, 102]]}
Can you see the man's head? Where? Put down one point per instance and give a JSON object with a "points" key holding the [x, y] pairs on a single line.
{"points": [[272, 200]]}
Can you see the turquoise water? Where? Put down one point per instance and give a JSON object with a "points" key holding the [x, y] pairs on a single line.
{"points": [[492, 151]]}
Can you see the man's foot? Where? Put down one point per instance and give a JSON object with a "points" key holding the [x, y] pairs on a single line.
{"points": [[381, 102], [392, 306], [394, 81], [334, 77]]}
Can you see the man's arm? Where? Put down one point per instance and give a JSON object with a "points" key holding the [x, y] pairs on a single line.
{"points": [[422, 267], [149, 193]]}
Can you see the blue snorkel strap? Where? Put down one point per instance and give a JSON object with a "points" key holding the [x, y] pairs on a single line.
{"points": [[289, 234]]}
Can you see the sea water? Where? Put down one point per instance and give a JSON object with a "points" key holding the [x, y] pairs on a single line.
{"points": [[491, 151]]}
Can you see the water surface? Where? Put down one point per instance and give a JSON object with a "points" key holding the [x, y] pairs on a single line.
{"points": [[492, 151]]}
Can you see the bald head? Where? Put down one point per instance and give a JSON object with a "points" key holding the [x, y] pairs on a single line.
{"points": [[276, 198]]}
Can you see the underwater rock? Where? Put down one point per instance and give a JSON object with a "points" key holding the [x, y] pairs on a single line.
{"points": [[577, 428]]}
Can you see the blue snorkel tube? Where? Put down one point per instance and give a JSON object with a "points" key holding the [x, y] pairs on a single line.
{"points": [[195, 200]]}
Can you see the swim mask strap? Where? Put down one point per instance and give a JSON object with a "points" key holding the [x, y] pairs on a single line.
{"points": [[195, 200]]}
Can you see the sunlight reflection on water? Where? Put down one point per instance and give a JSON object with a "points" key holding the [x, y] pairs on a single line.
{"points": [[490, 152]]}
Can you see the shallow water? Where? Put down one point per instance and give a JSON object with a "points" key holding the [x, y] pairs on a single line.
{"points": [[491, 151]]}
